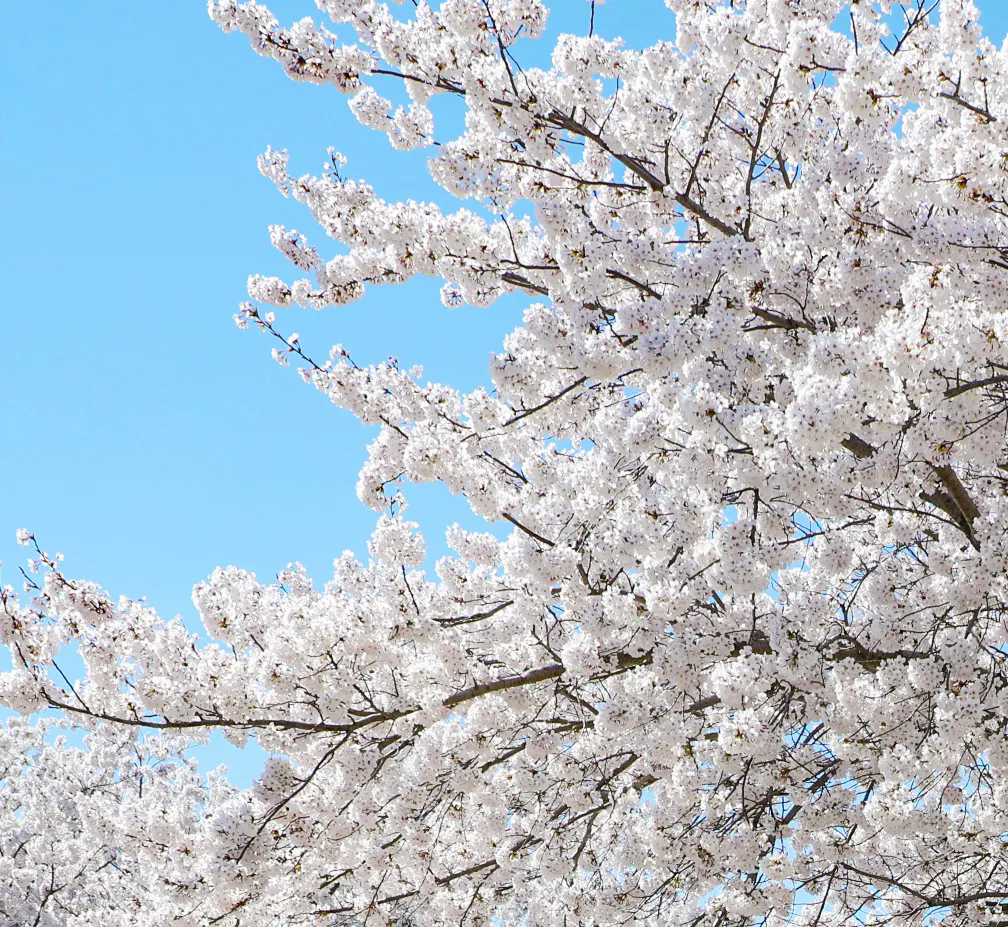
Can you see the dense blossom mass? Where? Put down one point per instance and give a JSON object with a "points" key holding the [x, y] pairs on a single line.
{"points": [[734, 652]]}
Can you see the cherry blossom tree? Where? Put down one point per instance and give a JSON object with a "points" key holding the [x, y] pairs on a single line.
{"points": [[735, 650]]}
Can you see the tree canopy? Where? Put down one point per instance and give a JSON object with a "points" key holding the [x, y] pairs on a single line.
{"points": [[739, 657]]}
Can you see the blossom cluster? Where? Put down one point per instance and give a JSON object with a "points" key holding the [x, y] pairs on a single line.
{"points": [[739, 656]]}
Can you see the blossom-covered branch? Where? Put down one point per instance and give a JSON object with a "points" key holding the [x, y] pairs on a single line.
{"points": [[732, 651]]}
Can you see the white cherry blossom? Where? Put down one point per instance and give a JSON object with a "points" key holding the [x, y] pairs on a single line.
{"points": [[734, 652]]}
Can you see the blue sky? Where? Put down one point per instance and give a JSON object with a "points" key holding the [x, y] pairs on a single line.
{"points": [[146, 437]]}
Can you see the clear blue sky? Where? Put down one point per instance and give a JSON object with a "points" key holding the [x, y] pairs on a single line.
{"points": [[146, 437]]}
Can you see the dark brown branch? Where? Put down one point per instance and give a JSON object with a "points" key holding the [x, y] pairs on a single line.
{"points": [[754, 157], [517, 417], [476, 616], [643, 287], [782, 321], [955, 98], [975, 384], [532, 534], [858, 446], [551, 671], [966, 509]]}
